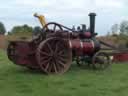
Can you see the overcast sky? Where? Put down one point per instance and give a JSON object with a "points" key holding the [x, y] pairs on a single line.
{"points": [[66, 12]]}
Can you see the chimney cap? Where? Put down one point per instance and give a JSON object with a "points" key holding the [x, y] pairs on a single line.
{"points": [[92, 14]]}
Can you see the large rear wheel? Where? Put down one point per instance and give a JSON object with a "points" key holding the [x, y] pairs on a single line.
{"points": [[54, 56]]}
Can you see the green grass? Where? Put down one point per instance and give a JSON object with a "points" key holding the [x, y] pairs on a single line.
{"points": [[19, 81]]}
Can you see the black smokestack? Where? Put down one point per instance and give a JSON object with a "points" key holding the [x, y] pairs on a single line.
{"points": [[92, 22]]}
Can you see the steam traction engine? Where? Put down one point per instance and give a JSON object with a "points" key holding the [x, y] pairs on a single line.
{"points": [[56, 47]]}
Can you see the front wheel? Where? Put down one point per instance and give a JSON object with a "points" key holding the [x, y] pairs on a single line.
{"points": [[100, 60]]}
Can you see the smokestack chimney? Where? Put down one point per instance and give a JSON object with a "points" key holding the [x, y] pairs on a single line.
{"points": [[92, 23]]}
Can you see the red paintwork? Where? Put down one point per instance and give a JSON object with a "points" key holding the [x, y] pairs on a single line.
{"points": [[25, 53], [82, 48], [88, 47], [120, 57], [87, 34]]}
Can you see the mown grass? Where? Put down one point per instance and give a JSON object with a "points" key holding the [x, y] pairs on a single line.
{"points": [[19, 81]]}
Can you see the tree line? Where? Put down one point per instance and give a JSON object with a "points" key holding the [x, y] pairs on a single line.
{"points": [[116, 29], [19, 30], [120, 29], [120, 33]]}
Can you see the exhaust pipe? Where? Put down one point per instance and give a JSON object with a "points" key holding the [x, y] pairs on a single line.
{"points": [[92, 23]]}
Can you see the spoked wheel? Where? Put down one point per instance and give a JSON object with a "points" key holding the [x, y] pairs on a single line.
{"points": [[11, 51], [52, 29], [100, 60], [54, 56], [52, 26]]}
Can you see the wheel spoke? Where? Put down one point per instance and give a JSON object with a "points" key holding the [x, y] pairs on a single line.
{"points": [[46, 68], [44, 58], [50, 67], [61, 63], [55, 67], [56, 48], [45, 53], [54, 28], [49, 47], [45, 61], [61, 59], [61, 52]]}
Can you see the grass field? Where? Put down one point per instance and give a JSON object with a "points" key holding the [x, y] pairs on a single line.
{"points": [[18, 81]]}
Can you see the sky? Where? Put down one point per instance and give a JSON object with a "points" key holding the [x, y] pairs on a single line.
{"points": [[66, 12]]}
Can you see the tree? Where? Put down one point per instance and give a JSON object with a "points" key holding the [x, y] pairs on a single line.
{"points": [[124, 28], [114, 29], [108, 34], [24, 29], [2, 28], [123, 36]]}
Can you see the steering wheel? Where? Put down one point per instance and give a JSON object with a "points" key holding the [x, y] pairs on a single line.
{"points": [[52, 26]]}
